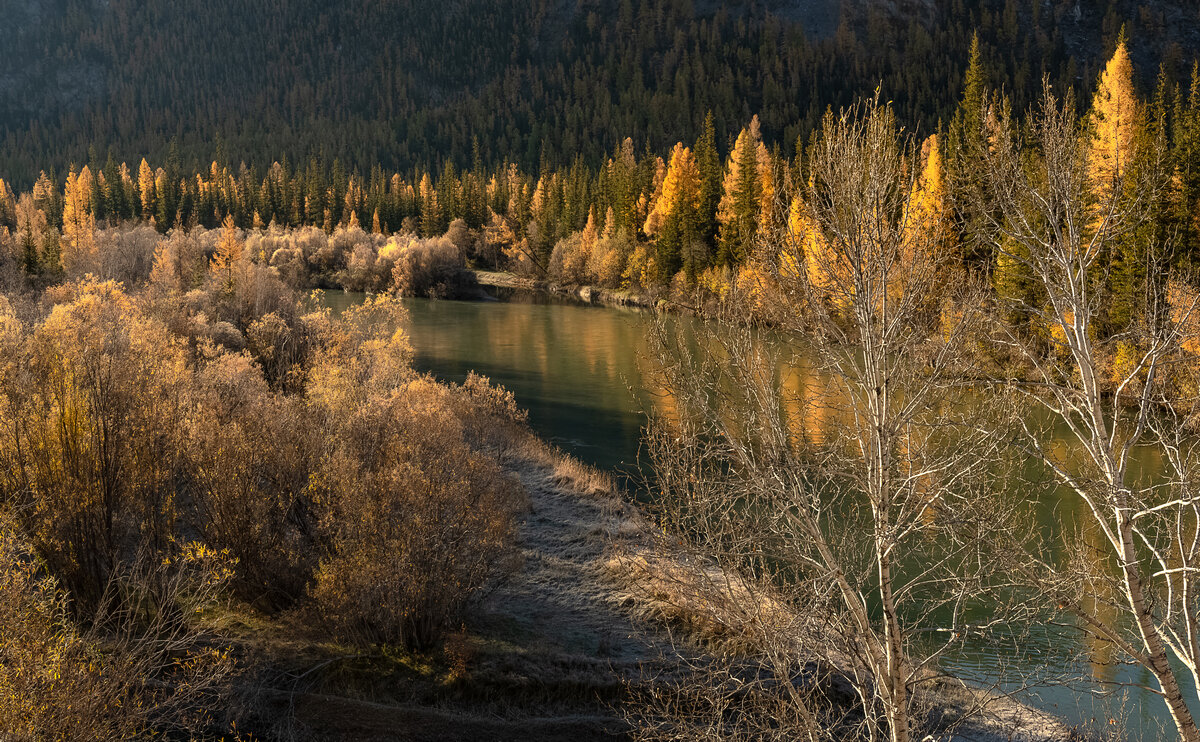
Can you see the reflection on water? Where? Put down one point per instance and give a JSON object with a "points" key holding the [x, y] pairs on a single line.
{"points": [[576, 370], [572, 367]]}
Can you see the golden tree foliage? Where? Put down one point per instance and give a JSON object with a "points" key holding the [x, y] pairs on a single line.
{"points": [[8, 204], [768, 210], [680, 189], [926, 221], [807, 247], [146, 187], [831, 271], [1115, 117], [79, 224], [229, 251], [925, 224]]}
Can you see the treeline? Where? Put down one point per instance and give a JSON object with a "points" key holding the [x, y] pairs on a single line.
{"points": [[413, 85], [699, 218]]}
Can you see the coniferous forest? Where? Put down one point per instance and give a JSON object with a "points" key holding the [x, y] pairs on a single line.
{"points": [[920, 335]]}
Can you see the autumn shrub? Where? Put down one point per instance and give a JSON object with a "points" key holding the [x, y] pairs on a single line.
{"points": [[366, 269], [366, 354], [285, 343], [462, 237], [126, 254], [416, 514], [249, 457], [89, 458], [132, 673], [302, 447], [641, 268], [254, 290], [569, 260], [490, 418], [418, 521], [606, 264], [432, 267]]}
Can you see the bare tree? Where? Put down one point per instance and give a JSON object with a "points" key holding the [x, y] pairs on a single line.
{"points": [[1112, 393], [851, 500]]}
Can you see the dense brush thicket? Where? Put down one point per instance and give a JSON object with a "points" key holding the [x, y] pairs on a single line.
{"points": [[193, 434]]}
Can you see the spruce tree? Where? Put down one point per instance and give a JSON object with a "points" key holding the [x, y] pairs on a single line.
{"points": [[708, 163]]}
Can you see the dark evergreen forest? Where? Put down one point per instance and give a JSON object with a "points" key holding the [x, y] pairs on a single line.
{"points": [[410, 84]]}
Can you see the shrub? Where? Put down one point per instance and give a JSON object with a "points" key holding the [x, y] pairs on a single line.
{"points": [[285, 344], [432, 267], [132, 674], [249, 458], [126, 254], [419, 521], [607, 261], [569, 260], [94, 409], [489, 415], [641, 267]]}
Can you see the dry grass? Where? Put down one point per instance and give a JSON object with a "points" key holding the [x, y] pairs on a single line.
{"points": [[706, 604], [565, 470]]}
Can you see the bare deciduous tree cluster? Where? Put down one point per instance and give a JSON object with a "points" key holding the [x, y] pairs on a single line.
{"points": [[850, 467]]}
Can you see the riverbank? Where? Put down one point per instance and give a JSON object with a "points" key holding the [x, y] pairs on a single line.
{"points": [[547, 654], [554, 650], [584, 294]]}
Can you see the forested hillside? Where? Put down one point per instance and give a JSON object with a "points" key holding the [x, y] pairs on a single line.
{"points": [[410, 84]]}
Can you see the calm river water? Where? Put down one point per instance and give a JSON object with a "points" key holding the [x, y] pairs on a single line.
{"points": [[576, 369]]}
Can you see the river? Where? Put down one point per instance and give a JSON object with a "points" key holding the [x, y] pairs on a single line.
{"points": [[576, 370]]}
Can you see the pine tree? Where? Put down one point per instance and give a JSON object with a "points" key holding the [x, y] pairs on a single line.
{"points": [[51, 258], [741, 201], [1137, 264], [29, 253], [165, 198], [675, 216], [709, 164], [114, 192], [1186, 146], [965, 148]]}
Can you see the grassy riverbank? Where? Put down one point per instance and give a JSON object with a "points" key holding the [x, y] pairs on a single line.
{"points": [[560, 648]]}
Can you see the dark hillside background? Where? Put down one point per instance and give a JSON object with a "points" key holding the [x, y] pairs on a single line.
{"points": [[416, 83]]}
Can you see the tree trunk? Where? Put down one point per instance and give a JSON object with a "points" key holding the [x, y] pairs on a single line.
{"points": [[895, 688], [1156, 650]]}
